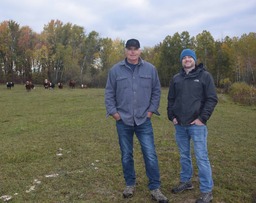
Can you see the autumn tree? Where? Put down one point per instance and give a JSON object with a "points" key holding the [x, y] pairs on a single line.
{"points": [[223, 61], [64, 51], [91, 65], [4, 48], [246, 52], [205, 51], [111, 52], [9, 37], [25, 50], [169, 57]]}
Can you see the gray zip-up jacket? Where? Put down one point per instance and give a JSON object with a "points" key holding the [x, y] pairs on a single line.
{"points": [[132, 93], [191, 96]]}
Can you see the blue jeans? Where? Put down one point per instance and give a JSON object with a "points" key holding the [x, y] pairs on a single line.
{"points": [[144, 133], [198, 134]]}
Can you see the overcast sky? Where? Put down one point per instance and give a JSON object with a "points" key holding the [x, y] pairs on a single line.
{"points": [[150, 21]]}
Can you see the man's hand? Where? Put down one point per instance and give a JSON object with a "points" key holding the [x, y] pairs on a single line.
{"points": [[116, 116], [150, 114], [175, 122], [197, 122]]}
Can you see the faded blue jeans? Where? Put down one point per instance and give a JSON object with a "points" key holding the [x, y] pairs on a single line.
{"points": [[198, 134], [144, 133]]}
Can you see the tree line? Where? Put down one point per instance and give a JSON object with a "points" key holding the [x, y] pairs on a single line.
{"points": [[63, 52]]}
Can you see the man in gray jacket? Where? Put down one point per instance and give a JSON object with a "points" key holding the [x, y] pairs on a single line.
{"points": [[191, 101], [132, 96]]}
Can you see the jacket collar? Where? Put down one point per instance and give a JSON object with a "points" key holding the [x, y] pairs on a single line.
{"points": [[199, 68], [141, 62]]}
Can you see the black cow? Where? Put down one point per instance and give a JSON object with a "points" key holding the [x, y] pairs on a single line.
{"points": [[52, 85], [9, 85]]}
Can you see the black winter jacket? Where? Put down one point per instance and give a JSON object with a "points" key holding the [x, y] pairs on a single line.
{"points": [[191, 96]]}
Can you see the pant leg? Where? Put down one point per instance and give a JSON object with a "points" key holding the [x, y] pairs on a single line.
{"points": [[183, 142], [145, 136], [125, 135], [199, 137]]}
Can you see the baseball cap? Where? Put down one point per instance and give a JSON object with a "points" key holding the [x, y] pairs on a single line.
{"points": [[132, 43]]}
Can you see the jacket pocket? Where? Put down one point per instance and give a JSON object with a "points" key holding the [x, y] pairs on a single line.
{"points": [[146, 81], [122, 82]]}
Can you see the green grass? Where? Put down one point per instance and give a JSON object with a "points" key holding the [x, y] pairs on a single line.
{"points": [[36, 126]]}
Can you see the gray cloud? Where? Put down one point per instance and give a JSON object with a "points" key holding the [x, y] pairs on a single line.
{"points": [[148, 20]]}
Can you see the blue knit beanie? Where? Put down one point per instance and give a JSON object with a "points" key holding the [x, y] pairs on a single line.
{"points": [[188, 52]]}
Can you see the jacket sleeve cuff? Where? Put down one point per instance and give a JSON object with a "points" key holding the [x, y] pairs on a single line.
{"points": [[112, 112], [154, 112], [157, 113]]}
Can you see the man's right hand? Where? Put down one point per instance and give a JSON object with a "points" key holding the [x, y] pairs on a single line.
{"points": [[116, 116]]}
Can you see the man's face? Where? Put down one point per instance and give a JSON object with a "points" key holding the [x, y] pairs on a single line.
{"points": [[132, 54], [188, 62]]}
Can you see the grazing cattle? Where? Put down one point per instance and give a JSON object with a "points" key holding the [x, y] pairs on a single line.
{"points": [[52, 85], [60, 85], [72, 84], [83, 86], [9, 85], [48, 84], [29, 86]]}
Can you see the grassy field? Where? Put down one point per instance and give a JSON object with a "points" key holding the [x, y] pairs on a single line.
{"points": [[58, 146]]}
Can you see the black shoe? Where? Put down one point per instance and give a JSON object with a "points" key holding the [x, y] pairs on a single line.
{"points": [[205, 198], [183, 186]]}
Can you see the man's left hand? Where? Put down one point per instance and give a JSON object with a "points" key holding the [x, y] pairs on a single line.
{"points": [[150, 114], [197, 122]]}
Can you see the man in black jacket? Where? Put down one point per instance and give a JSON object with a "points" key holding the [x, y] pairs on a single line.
{"points": [[191, 101]]}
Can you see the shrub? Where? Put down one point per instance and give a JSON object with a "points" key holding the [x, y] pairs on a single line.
{"points": [[225, 84], [243, 93]]}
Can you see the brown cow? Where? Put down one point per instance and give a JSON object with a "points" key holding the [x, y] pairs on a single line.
{"points": [[60, 85], [48, 84], [72, 84], [29, 86]]}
